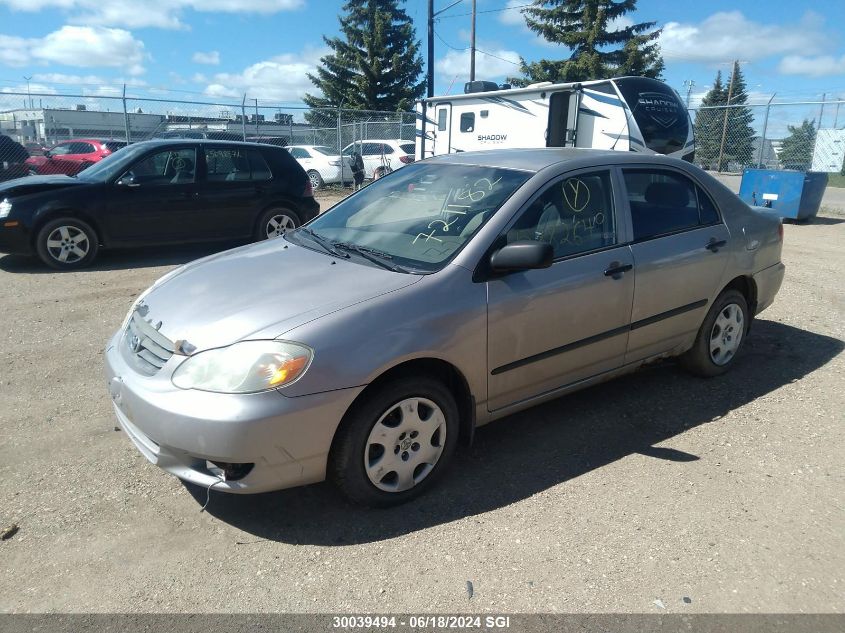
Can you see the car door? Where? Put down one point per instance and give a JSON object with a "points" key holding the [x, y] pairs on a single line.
{"points": [[680, 255], [157, 199], [555, 326], [237, 178], [443, 129]]}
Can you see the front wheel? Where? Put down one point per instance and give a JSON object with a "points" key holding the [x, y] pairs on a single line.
{"points": [[275, 222], [396, 443], [720, 337], [67, 243]]}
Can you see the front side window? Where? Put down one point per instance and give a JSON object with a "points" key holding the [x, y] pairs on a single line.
{"points": [[166, 167], [664, 202], [421, 215], [467, 122], [575, 215]]}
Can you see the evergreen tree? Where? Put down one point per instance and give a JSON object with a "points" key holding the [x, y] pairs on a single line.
{"points": [[708, 124], [376, 65], [739, 138], [597, 52], [797, 149]]}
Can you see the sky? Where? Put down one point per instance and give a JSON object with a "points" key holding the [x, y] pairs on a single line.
{"points": [[220, 50]]}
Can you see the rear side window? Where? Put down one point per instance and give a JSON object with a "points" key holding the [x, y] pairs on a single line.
{"points": [[664, 202], [371, 149], [467, 121], [81, 148], [113, 146], [298, 152], [235, 165]]}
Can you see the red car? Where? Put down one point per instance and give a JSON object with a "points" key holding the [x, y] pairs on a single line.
{"points": [[71, 157]]}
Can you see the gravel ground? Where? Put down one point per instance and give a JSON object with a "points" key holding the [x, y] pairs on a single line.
{"points": [[654, 493]]}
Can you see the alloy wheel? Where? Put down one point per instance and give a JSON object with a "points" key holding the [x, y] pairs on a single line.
{"points": [[279, 224], [405, 444], [68, 244]]}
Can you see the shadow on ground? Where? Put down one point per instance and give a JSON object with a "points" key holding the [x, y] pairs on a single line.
{"points": [[123, 259], [532, 451]]}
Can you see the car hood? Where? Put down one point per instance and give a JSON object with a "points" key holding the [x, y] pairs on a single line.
{"points": [[260, 291], [35, 184]]}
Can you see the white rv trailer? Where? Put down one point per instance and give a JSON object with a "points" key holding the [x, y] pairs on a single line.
{"points": [[635, 114]]}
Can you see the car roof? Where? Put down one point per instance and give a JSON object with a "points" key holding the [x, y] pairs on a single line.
{"points": [[536, 159], [167, 142]]}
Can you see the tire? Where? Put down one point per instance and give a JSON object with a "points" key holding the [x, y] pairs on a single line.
{"points": [[283, 218], [361, 465], [316, 179], [67, 244], [720, 337]]}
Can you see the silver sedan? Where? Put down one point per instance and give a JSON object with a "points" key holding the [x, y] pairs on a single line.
{"points": [[461, 289]]}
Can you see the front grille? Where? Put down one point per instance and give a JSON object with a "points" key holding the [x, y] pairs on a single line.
{"points": [[148, 347]]}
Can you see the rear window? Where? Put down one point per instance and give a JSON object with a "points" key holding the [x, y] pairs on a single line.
{"points": [[408, 148], [658, 112]]}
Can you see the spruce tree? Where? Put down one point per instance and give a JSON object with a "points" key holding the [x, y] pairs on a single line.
{"points": [[797, 149], [375, 65], [739, 138], [708, 124], [597, 52]]}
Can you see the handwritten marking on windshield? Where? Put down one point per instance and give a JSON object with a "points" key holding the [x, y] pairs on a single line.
{"points": [[474, 193]]}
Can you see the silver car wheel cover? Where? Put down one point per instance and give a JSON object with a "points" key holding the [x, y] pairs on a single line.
{"points": [[405, 444], [68, 244], [279, 224], [315, 179], [726, 334]]}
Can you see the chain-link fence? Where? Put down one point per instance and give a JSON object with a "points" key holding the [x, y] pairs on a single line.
{"points": [[63, 134], [806, 135]]}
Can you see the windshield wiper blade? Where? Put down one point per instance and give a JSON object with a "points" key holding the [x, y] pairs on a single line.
{"points": [[377, 257], [325, 244]]}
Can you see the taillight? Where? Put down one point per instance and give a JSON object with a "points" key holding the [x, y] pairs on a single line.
{"points": [[308, 192], [780, 231], [406, 159]]}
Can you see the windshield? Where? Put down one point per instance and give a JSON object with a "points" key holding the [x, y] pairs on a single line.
{"points": [[419, 216], [112, 165], [658, 112]]}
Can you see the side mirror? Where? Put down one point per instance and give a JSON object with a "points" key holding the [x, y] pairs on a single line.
{"points": [[523, 255]]}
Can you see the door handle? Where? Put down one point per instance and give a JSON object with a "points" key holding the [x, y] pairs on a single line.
{"points": [[617, 269], [714, 244]]}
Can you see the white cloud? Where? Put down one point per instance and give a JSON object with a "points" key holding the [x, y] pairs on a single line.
{"points": [[820, 66], [282, 78], [212, 58], [149, 13], [79, 46], [726, 36], [456, 64], [513, 16]]}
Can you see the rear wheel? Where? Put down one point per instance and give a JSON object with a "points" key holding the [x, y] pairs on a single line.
{"points": [[275, 222], [720, 337], [67, 243], [315, 178], [396, 443]]}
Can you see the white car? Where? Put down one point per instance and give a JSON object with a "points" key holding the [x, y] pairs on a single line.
{"points": [[321, 163], [382, 156]]}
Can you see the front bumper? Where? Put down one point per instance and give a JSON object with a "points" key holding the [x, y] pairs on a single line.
{"points": [[288, 439], [768, 282], [15, 238]]}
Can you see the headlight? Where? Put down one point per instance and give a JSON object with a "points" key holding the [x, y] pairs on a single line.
{"points": [[5, 208], [245, 367]]}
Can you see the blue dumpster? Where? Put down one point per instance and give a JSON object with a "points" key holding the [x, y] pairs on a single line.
{"points": [[789, 193]]}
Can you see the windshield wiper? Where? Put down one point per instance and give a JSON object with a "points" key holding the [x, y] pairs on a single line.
{"points": [[325, 244], [371, 254]]}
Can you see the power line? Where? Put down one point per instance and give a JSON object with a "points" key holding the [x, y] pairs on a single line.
{"points": [[520, 6], [477, 50]]}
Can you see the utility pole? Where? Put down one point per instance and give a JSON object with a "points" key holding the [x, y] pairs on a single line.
{"points": [[472, 45], [727, 109], [689, 83], [821, 111], [28, 93]]}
